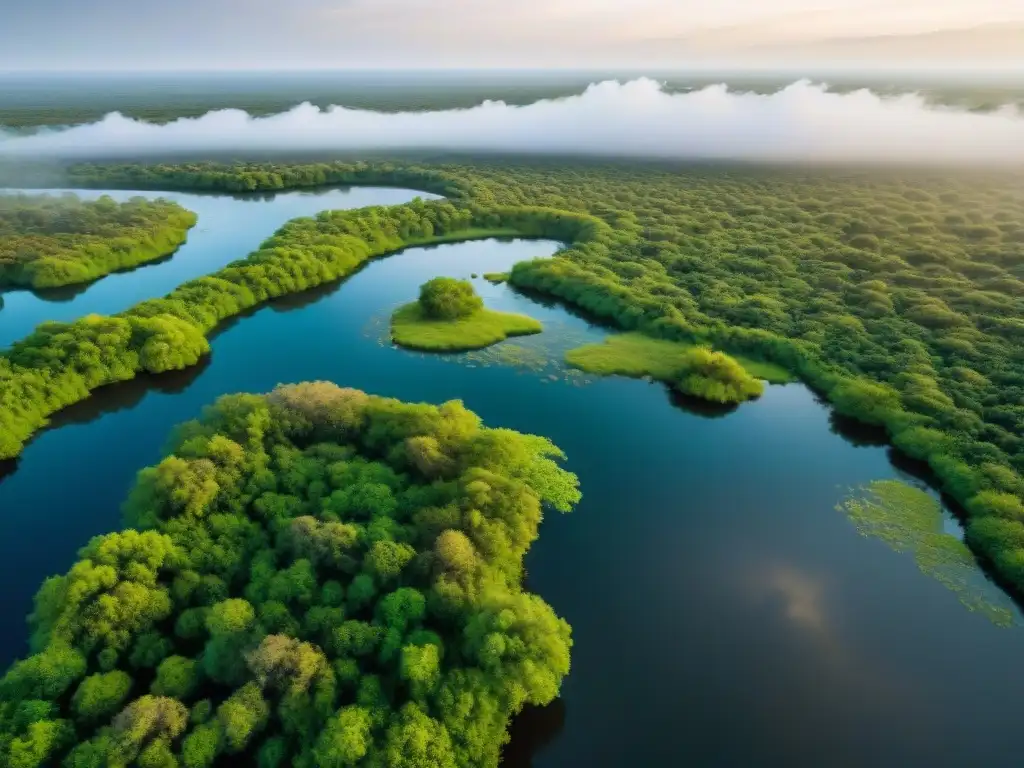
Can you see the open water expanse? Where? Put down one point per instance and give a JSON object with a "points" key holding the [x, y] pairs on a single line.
{"points": [[724, 612]]}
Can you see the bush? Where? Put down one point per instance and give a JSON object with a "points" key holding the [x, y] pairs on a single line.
{"points": [[445, 298]]}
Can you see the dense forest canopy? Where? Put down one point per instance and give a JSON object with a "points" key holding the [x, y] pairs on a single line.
{"points": [[897, 295], [48, 241], [316, 577]]}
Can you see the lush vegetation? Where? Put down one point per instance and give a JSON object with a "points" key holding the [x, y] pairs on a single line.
{"points": [[638, 355], [412, 328], [897, 296], [316, 577], [48, 241], [450, 317], [445, 298], [692, 370], [61, 363]]}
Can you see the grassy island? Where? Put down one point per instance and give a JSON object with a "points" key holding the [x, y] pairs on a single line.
{"points": [[450, 317], [47, 241], [692, 370], [316, 577]]}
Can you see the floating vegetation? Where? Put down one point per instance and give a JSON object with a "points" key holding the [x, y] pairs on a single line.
{"points": [[495, 277], [909, 520]]}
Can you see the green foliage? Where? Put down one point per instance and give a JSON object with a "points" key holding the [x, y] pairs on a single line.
{"points": [[176, 677], [412, 328], [48, 241], [445, 298], [300, 601], [716, 377], [61, 363], [695, 371], [101, 695], [896, 295]]}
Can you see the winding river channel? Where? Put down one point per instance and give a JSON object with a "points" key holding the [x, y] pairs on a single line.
{"points": [[724, 612]]}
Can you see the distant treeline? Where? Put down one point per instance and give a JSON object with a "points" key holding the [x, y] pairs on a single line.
{"points": [[32, 101], [316, 578], [897, 295], [260, 177], [48, 241]]}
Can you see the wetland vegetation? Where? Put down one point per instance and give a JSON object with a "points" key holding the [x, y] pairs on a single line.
{"points": [[896, 296], [61, 363], [692, 370], [909, 519]]}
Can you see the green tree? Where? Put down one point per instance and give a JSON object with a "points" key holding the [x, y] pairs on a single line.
{"points": [[445, 298], [101, 695]]}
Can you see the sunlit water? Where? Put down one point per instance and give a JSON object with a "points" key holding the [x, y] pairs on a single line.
{"points": [[724, 613]]}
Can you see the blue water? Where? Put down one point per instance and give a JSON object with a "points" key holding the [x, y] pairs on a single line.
{"points": [[229, 227], [724, 613]]}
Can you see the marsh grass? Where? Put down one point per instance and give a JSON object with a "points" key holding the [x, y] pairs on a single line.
{"points": [[411, 329], [637, 355]]}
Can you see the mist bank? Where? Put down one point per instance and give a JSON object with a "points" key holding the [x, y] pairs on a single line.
{"points": [[803, 122]]}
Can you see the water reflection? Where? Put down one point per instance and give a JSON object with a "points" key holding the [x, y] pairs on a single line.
{"points": [[534, 729], [114, 398], [697, 406], [856, 432]]}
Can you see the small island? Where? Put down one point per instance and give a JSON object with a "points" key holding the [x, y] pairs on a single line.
{"points": [[450, 317], [691, 370]]}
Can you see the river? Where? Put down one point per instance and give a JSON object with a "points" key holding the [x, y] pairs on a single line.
{"points": [[724, 613]]}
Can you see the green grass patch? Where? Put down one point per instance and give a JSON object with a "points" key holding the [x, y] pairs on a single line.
{"points": [[496, 277], [637, 355], [909, 520], [409, 328]]}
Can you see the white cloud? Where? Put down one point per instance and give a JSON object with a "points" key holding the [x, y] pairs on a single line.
{"points": [[803, 122]]}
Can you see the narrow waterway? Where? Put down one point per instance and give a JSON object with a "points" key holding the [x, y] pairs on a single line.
{"points": [[229, 227]]}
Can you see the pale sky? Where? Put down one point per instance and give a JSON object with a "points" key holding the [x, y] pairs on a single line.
{"points": [[270, 34]]}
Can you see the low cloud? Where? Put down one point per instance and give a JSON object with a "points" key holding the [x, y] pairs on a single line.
{"points": [[803, 122]]}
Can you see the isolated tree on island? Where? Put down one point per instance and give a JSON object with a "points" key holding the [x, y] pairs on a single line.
{"points": [[445, 298]]}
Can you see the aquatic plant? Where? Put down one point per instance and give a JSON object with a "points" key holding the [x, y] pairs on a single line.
{"points": [[910, 520]]}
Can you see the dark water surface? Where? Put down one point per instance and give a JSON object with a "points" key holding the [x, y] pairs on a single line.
{"points": [[724, 613]]}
